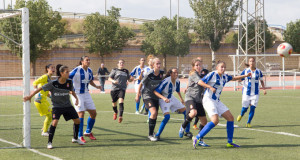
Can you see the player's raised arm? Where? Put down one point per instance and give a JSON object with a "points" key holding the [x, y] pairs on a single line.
{"points": [[26, 98]]}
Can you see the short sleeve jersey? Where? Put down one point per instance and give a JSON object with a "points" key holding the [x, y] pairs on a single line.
{"points": [[136, 72], [194, 91], [120, 75], [166, 87], [251, 84], [60, 93], [150, 82], [216, 81], [44, 79], [81, 79]]}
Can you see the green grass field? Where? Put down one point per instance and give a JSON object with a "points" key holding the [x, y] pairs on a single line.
{"points": [[277, 112]]}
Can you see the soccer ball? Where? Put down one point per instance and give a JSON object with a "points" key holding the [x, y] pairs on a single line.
{"points": [[284, 50]]}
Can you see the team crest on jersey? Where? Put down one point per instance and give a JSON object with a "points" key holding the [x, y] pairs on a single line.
{"points": [[161, 76], [53, 116], [68, 85], [191, 106], [149, 104]]}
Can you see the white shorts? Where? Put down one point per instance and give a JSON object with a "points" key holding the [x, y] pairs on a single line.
{"points": [[213, 107], [250, 100], [85, 102], [173, 105], [136, 87]]}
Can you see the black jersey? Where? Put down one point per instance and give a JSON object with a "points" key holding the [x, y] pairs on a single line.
{"points": [[150, 82]]}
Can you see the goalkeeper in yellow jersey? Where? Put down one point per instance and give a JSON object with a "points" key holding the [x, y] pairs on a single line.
{"points": [[41, 101]]}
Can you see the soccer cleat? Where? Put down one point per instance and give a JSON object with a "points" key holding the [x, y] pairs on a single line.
{"points": [[45, 134], [146, 113], [181, 132], [77, 141], [102, 92], [203, 144], [137, 112], [239, 118], [115, 116], [195, 142], [188, 134], [248, 125], [232, 145], [152, 138], [120, 119], [157, 137], [49, 145], [195, 127], [90, 135], [82, 139]]}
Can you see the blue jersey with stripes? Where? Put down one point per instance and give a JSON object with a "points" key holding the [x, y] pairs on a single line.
{"points": [[166, 87], [216, 81], [81, 79], [251, 84], [136, 72]]}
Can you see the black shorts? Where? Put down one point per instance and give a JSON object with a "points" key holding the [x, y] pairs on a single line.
{"points": [[194, 105], [67, 112], [151, 103], [115, 95]]}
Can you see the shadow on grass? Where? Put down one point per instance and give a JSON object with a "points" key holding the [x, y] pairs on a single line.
{"points": [[277, 126], [271, 146]]}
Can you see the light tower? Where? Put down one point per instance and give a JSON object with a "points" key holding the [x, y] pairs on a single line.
{"points": [[249, 15]]}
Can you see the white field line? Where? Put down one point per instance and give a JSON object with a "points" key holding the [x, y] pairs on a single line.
{"points": [[224, 125], [32, 150]]}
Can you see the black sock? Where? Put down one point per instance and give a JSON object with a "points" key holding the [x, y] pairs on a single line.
{"points": [[187, 121], [115, 109], [121, 108], [196, 120], [201, 127], [51, 133], [152, 123], [75, 130]]}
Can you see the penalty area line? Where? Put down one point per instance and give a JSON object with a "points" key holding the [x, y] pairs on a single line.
{"points": [[30, 149]]}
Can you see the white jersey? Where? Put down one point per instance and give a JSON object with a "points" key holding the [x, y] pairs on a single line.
{"points": [[147, 69], [136, 72], [81, 79], [218, 82], [251, 84], [166, 87]]}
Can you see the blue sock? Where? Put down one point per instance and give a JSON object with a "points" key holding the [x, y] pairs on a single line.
{"points": [[230, 130], [80, 133], [90, 125], [149, 114], [163, 124], [205, 130], [146, 108], [244, 110], [137, 106], [251, 114]]}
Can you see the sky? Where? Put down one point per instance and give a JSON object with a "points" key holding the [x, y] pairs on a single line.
{"points": [[277, 12]]}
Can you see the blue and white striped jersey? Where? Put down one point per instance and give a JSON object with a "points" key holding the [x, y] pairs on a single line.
{"points": [[251, 84], [166, 87], [136, 72], [81, 79], [146, 70], [218, 82]]}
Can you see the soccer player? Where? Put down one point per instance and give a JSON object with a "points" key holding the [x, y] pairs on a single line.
{"points": [[119, 77], [251, 90], [204, 72], [40, 101], [151, 80], [60, 90], [167, 101], [214, 83], [193, 99], [136, 73], [82, 76]]}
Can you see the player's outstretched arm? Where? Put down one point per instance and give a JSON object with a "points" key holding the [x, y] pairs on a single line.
{"points": [[181, 99], [201, 83], [161, 96], [26, 98], [112, 81], [75, 96], [263, 86], [241, 77], [138, 95], [94, 85]]}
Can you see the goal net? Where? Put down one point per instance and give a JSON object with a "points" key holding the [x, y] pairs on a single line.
{"points": [[14, 80]]}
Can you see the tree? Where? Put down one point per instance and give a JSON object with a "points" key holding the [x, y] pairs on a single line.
{"points": [[163, 37], [214, 18], [292, 35], [269, 37], [45, 26], [104, 33]]}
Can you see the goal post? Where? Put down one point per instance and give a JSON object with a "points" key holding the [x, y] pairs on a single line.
{"points": [[26, 77]]}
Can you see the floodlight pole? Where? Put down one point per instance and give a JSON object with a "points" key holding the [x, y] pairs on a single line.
{"points": [[170, 9], [177, 30], [105, 8]]}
